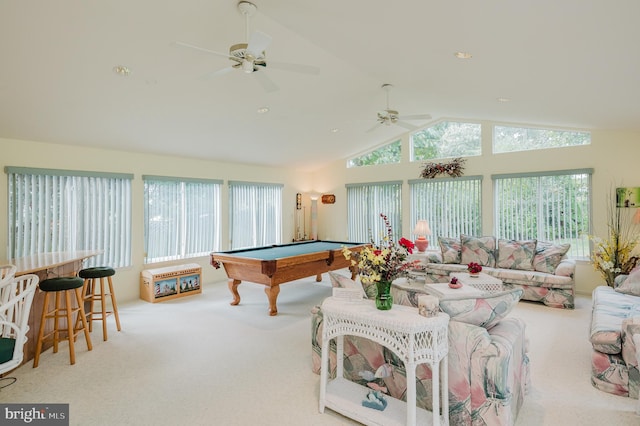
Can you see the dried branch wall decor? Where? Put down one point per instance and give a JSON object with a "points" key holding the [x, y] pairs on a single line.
{"points": [[453, 168]]}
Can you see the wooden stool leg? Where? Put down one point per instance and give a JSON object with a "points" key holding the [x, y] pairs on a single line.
{"points": [[114, 304], [43, 320], [103, 306], [70, 332], [56, 323], [92, 297], [83, 318]]}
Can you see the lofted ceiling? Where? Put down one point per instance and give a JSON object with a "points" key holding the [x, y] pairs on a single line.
{"points": [[570, 63]]}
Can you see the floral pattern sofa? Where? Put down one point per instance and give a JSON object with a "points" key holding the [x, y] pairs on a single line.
{"points": [[614, 336], [488, 364], [541, 269]]}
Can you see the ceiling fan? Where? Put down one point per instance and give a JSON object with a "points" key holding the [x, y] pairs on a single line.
{"points": [[389, 116], [250, 57]]}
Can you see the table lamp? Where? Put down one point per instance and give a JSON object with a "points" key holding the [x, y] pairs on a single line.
{"points": [[422, 229]]}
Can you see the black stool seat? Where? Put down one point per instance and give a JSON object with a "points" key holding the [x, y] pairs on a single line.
{"points": [[97, 272], [61, 283]]}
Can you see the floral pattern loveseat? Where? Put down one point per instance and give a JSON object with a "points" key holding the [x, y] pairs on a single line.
{"points": [[488, 365], [541, 269]]}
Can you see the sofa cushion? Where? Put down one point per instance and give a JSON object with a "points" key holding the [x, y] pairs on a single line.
{"points": [[632, 284], [479, 250], [513, 254], [484, 311], [450, 248], [339, 280], [548, 256]]}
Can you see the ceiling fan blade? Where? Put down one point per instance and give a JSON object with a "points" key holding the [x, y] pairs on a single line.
{"points": [[406, 125], [215, 73], [201, 49], [258, 43], [373, 128], [299, 68], [415, 117], [267, 84]]}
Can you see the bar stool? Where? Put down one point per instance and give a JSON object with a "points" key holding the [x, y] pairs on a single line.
{"points": [[62, 286], [91, 294]]}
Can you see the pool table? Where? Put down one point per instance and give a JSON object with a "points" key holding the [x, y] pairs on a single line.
{"points": [[277, 264]]}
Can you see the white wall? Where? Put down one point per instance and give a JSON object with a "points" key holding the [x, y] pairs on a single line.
{"points": [[613, 156], [43, 155]]}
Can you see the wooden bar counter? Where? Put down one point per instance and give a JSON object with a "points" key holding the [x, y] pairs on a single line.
{"points": [[47, 265]]}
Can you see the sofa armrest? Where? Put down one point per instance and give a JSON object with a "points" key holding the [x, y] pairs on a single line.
{"points": [[566, 268], [630, 328]]}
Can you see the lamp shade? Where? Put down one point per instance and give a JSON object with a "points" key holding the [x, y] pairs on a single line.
{"points": [[422, 228]]}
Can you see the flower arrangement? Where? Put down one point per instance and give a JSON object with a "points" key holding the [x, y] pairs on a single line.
{"points": [[614, 256], [474, 268], [382, 261]]}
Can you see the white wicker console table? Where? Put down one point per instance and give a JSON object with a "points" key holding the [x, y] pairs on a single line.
{"points": [[413, 338]]}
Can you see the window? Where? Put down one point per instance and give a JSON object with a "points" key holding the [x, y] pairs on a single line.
{"points": [[365, 202], [512, 139], [547, 206], [388, 154], [451, 206], [66, 210], [181, 216], [447, 139], [255, 214]]}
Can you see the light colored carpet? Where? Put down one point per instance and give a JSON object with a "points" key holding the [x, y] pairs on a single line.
{"points": [[199, 361]]}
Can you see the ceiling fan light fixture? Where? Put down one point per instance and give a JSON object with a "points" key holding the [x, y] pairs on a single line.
{"points": [[121, 70], [463, 55]]}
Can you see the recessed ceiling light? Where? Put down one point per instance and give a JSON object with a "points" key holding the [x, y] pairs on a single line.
{"points": [[503, 99], [462, 55], [263, 110], [335, 130], [121, 70]]}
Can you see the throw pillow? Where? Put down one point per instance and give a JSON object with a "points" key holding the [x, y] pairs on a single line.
{"points": [[484, 311], [478, 250], [338, 280], [632, 284], [548, 256], [516, 254], [450, 248]]}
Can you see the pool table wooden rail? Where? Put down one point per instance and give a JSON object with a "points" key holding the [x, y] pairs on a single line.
{"points": [[273, 272]]}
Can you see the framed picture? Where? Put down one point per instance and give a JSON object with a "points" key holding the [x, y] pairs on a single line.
{"points": [[628, 197], [166, 287], [189, 283]]}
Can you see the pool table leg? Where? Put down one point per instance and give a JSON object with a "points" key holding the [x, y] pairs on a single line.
{"points": [[233, 288], [272, 294]]}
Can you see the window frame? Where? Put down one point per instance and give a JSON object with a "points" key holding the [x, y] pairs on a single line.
{"points": [[192, 239], [91, 211], [583, 249], [436, 221], [369, 225]]}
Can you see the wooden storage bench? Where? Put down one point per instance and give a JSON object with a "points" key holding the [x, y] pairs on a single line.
{"points": [[171, 282]]}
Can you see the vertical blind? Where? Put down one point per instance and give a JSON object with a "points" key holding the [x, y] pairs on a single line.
{"points": [[182, 217], [365, 202], [451, 206], [255, 214], [64, 210], [550, 206]]}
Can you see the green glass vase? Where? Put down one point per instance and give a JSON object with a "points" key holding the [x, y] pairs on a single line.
{"points": [[384, 299]]}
